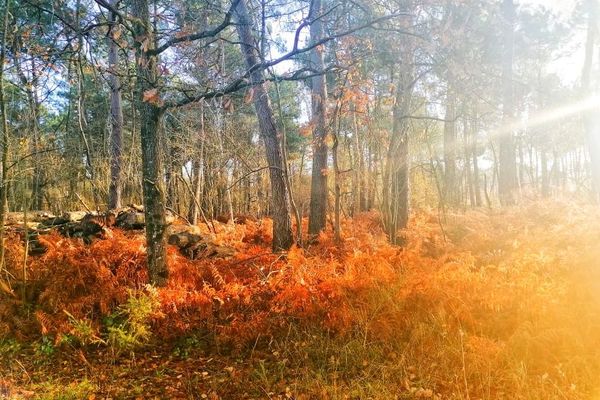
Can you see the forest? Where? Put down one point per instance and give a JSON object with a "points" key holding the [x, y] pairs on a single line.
{"points": [[299, 199]]}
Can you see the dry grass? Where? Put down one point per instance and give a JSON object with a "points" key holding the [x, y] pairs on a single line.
{"points": [[504, 305]]}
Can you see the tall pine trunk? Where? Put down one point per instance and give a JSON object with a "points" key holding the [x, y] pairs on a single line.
{"points": [[507, 167], [590, 119], [450, 149], [280, 206], [197, 173], [396, 174], [116, 119], [5, 139], [318, 189]]}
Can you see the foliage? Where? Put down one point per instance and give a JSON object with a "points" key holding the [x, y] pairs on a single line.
{"points": [[136, 312], [498, 304], [73, 391]]}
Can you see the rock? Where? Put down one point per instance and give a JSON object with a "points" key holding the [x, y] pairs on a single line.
{"points": [[75, 216], [183, 236], [130, 219], [133, 218], [205, 249], [194, 244], [88, 228], [15, 218]]}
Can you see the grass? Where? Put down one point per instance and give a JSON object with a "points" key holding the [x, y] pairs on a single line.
{"points": [[507, 308]]}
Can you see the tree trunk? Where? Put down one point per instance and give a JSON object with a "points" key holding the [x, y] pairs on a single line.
{"points": [[475, 154], [318, 189], [590, 118], [197, 173], [545, 180], [116, 119], [5, 138], [396, 182], [396, 173], [507, 168], [30, 86], [280, 206], [359, 190], [467, 138], [450, 149], [150, 116]]}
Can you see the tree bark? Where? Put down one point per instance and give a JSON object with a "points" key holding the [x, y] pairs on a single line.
{"points": [[507, 167], [30, 86], [150, 115], [590, 118], [280, 206], [450, 149], [197, 173], [5, 138], [318, 189], [467, 138], [396, 174], [475, 155], [116, 119]]}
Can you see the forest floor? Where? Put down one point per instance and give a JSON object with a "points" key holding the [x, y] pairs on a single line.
{"points": [[485, 304]]}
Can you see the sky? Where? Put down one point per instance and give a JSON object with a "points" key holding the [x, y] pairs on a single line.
{"points": [[562, 6]]}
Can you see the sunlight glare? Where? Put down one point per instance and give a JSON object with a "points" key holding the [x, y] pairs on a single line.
{"points": [[550, 115]]}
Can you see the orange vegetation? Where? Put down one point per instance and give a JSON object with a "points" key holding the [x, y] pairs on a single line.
{"points": [[498, 304]]}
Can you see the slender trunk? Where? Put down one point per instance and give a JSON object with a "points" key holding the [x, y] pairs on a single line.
{"points": [[396, 173], [150, 116], [116, 118], [399, 176], [521, 166], [450, 149], [197, 172], [337, 230], [81, 120], [590, 119], [224, 171], [359, 195], [467, 137], [280, 206], [475, 154], [507, 169], [5, 137], [288, 181], [545, 180], [318, 188], [395, 185], [30, 86]]}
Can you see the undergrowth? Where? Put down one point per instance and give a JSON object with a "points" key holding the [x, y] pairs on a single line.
{"points": [[498, 305]]}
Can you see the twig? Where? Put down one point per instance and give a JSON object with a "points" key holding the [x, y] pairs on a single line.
{"points": [[82, 202]]}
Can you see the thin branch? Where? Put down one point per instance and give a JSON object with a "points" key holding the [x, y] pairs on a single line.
{"points": [[197, 35]]}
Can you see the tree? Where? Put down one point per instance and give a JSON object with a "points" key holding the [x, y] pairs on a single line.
{"points": [[5, 136], [397, 167], [590, 117], [318, 189], [507, 168], [280, 206], [116, 115], [149, 105]]}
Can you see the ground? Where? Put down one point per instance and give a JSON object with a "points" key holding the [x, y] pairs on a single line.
{"points": [[481, 304]]}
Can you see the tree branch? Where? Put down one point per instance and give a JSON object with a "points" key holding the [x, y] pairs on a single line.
{"points": [[197, 35]]}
